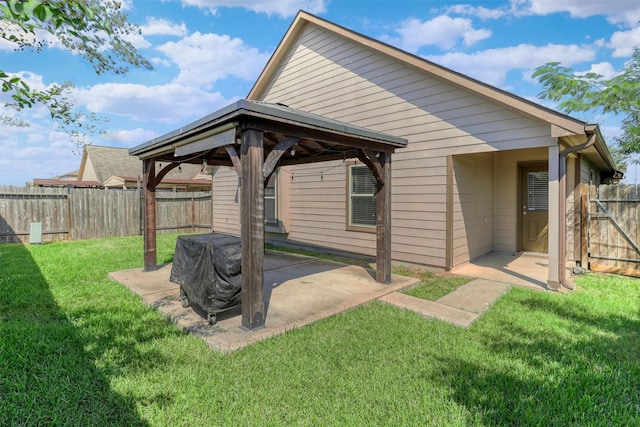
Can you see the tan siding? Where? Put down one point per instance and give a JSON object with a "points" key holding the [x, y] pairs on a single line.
{"points": [[89, 173], [472, 228], [226, 218], [329, 75]]}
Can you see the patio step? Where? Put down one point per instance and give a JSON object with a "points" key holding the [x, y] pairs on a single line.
{"points": [[460, 308]]}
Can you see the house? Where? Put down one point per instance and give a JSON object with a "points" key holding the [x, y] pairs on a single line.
{"points": [[114, 168], [484, 170]]}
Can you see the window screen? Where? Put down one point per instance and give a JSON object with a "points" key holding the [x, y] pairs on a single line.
{"points": [[270, 201], [362, 202], [538, 191]]}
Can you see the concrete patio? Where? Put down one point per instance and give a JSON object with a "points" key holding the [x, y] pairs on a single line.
{"points": [[298, 290], [529, 270]]}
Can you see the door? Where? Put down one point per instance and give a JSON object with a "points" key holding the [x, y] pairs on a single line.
{"points": [[534, 218]]}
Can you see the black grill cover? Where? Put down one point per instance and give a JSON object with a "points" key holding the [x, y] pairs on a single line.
{"points": [[207, 267]]}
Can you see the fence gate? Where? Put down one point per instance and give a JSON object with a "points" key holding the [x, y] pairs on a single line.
{"points": [[614, 229]]}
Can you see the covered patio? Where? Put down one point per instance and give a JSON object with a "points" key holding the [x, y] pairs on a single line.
{"points": [[298, 290], [255, 138]]}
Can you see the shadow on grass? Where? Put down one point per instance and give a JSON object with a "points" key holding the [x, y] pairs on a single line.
{"points": [[551, 363], [47, 377]]}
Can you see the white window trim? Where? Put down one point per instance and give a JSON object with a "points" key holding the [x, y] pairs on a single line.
{"points": [[351, 226]]}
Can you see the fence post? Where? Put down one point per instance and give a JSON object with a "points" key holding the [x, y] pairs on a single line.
{"points": [[69, 223]]}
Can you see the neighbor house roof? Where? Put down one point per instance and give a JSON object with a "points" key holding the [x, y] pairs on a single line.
{"points": [[113, 167], [101, 163], [562, 125]]}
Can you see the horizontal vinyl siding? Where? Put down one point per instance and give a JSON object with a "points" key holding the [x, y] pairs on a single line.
{"points": [[226, 212], [329, 75], [472, 207]]}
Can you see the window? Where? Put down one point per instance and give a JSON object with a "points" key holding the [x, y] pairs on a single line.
{"points": [[362, 201], [538, 191], [270, 201]]}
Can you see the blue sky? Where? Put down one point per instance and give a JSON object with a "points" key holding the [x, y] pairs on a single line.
{"points": [[207, 54]]}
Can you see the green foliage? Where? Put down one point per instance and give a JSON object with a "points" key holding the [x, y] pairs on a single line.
{"points": [[95, 29], [592, 92]]}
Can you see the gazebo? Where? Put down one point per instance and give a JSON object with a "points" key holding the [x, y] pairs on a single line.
{"points": [[255, 138]]}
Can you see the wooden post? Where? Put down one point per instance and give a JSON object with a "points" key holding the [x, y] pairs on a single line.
{"points": [[68, 206], [252, 228], [383, 221], [584, 225], [149, 170]]}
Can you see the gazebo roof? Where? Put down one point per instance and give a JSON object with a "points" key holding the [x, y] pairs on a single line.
{"points": [[255, 138], [319, 138]]}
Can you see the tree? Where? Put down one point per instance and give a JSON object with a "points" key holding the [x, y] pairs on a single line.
{"points": [[592, 92], [97, 30]]}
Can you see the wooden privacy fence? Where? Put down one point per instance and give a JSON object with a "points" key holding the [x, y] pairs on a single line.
{"points": [[614, 230], [79, 213]]}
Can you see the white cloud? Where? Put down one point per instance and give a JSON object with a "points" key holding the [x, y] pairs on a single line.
{"points": [[163, 27], [492, 65], [442, 31], [477, 11], [204, 59], [623, 42], [170, 103], [284, 8], [23, 160], [156, 27], [128, 137], [605, 69], [617, 11]]}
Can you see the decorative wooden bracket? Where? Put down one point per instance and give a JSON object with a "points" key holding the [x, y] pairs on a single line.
{"points": [[235, 158], [164, 171], [275, 154], [375, 164]]}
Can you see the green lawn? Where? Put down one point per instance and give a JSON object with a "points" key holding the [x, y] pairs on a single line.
{"points": [[77, 349]]}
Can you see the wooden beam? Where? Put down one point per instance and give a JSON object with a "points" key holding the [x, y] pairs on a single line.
{"points": [[332, 138], [275, 155], [315, 159], [235, 159], [252, 229], [149, 172]]}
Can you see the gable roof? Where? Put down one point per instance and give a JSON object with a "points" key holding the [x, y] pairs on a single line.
{"points": [[200, 136], [562, 125]]}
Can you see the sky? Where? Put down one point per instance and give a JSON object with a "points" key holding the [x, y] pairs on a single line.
{"points": [[207, 54]]}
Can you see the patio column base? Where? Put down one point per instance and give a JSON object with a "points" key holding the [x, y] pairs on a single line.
{"points": [[553, 285]]}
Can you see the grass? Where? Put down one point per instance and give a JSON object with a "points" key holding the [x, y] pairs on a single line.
{"points": [[78, 349], [432, 286]]}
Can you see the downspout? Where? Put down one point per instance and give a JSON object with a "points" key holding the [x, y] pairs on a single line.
{"points": [[562, 208]]}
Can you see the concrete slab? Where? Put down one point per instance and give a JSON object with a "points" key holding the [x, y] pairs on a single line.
{"points": [[476, 296], [431, 309], [525, 270], [298, 290]]}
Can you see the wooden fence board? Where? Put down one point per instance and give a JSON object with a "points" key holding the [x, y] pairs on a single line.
{"points": [[78, 213], [614, 232]]}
